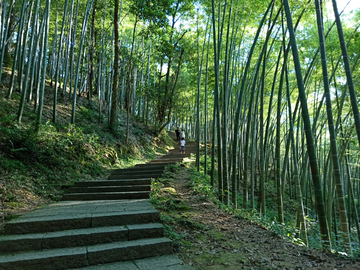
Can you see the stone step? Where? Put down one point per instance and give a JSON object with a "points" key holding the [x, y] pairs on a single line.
{"points": [[109, 189], [176, 153], [124, 251], [122, 182], [135, 175], [79, 237], [46, 222], [106, 196], [75, 257], [166, 161], [148, 165], [176, 150], [141, 168], [164, 262], [136, 170]]}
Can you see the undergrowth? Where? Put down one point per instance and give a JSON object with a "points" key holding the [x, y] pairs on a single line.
{"points": [[36, 165], [165, 198], [201, 186]]}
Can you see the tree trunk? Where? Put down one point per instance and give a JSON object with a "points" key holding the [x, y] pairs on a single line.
{"points": [[309, 137], [116, 68]]}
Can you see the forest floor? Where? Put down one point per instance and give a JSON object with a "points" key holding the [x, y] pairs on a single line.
{"points": [[215, 239]]}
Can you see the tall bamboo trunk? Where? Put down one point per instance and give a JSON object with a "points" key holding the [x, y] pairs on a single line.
{"points": [[238, 109], [116, 67], [43, 65], [83, 33], [333, 144], [350, 83], [32, 59], [309, 136]]}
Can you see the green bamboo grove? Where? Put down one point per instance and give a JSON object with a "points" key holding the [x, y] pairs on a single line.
{"points": [[269, 89]]}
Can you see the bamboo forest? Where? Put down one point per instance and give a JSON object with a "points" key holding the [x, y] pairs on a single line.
{"points": [[267, 90]]}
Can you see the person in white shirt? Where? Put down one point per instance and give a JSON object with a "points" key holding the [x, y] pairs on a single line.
{"points": [[182, 145], [182, 134]]}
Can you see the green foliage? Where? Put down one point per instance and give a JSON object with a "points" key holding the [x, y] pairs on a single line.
{"points": [[172, 168], [51, 156], [40, 163], [200, 184], [169, 171], [283, 230], [164, 198], [163, 202], [151, 11], [177, 238], [10, 217], [356, 253], [190, 224], [164, 136], [202, 163], [87, 114]]}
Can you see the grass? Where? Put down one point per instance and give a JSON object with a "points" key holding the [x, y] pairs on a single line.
{"points": [[34, 166]]}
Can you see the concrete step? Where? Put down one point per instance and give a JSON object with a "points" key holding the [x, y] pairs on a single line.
{"points": [[135, 175], [75, 257], [106, 196], [79, 237], [45, 222], [122, 182], [109, 189]]}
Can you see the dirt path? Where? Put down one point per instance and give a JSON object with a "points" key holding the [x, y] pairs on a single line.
{"points": [[217, 240]]}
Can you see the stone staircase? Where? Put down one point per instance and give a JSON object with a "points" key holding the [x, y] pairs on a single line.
{"points": [[102, 224]]}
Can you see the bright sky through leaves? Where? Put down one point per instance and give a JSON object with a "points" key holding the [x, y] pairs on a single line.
{"points": [[341, 4]]}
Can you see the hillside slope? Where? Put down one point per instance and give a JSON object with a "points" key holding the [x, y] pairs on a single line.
{"points": [[34, 166]]}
